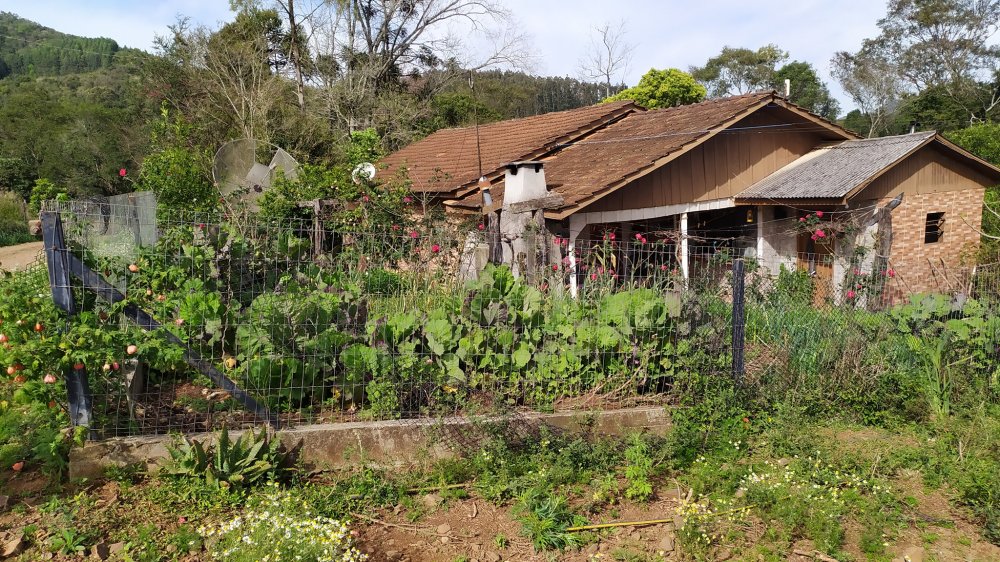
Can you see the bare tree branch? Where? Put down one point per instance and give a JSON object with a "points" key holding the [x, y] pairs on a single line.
{"points": [[608, 57]]}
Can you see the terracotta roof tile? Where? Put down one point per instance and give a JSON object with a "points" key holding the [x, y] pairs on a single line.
{"points": [[446, 160], [625, 148]]}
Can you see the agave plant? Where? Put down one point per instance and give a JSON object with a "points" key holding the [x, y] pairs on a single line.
{"points": [[250, 459]]}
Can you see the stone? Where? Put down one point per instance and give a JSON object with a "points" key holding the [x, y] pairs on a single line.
{"points": [[117, 548], [443, 529], [430, 501], [102, 550], [13, 547], [912, 554], [666, 544], [492, 557], [171, 548], [391, 554], [444, 540]]}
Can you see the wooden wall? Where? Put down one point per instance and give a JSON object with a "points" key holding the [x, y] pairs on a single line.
{"points": [[724, 165], [927, 171]]}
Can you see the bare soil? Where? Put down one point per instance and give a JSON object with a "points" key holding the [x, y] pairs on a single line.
{"points": [[14, 258]]}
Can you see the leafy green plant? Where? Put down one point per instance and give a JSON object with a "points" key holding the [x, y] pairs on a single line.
{"points": [[68, 541], [639, 469], [251, 459], [544, 518]]}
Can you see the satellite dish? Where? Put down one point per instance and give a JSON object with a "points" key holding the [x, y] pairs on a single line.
{"points": [[247, 167], [363, 171]]}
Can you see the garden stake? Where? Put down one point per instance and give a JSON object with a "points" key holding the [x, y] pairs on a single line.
{"points": [[654, 521]]}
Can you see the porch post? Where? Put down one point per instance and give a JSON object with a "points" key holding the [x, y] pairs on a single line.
{"points": [[684, 244], [760, 234], [576, 226]]}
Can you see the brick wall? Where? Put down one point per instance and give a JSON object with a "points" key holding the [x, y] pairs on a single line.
{"points": [[918, 265]]}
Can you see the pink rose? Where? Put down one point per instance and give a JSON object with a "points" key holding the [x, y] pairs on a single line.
{"points": [[819, 213], [850, 294], [435, 248]]}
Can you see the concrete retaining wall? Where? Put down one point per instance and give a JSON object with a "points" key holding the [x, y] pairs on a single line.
{"points": [[396, 442]]}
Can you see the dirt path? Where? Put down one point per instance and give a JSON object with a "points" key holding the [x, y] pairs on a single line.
{"points": [[13, 258]]}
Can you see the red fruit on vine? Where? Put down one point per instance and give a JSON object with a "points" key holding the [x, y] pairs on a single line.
{"points": [[18, 466], [3, 338], [106, 367], [114, 366], [102, 315], [131, 350], [49, 379], [19, 379], [11, 370], [79, 366], [179, 321], [52, 404], [133, 268], [39, 327]]}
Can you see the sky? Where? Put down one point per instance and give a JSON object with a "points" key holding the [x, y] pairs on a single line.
{"points": [[666, 33]]}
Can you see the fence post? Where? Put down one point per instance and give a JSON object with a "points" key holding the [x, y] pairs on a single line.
{"points": [[77, 385], [739, 319]]}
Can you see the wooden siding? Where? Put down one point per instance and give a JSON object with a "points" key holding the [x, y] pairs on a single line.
{"points": [[929, 170], [722, 167]]}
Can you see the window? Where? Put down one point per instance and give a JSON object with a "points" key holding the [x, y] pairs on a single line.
{"points": [[934, 228]]}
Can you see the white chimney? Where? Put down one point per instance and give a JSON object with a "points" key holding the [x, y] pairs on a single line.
{"points": [[788, 88], [524, 181]]}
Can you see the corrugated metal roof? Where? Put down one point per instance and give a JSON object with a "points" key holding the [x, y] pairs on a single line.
{"points": [[834, 171]]}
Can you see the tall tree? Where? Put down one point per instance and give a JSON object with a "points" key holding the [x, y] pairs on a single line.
{"points": [[370, 54], [872, 80], [663, 88], [739, 70], [807, 90], [608, 57], [946, 44]]}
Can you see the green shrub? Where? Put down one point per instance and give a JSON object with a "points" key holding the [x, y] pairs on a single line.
{"points": [[45, 190], [178, 174], [13, 220]]}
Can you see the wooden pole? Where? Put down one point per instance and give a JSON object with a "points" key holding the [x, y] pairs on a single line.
{"points": [[739, 320]]}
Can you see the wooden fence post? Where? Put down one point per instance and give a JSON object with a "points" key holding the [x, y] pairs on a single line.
{"points": [[57, 259], [739, 319]]}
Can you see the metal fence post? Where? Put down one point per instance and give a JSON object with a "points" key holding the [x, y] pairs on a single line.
{"points": [[739, 319], [57, 259]]}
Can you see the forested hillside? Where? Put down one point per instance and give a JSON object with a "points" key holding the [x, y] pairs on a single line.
{"points": [[28, 48], [76, 111]]}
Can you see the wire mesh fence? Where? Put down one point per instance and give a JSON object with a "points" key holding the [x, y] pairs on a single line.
{"points": [[188, 324]]}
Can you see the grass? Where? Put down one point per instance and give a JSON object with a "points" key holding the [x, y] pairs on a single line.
{"points": [[758, 489]]}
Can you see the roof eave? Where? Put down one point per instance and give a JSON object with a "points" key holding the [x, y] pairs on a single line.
{"points": [[497, 174], [659, 163]]}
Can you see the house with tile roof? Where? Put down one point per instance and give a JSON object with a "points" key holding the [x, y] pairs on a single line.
{"points": [[739, 174]]}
